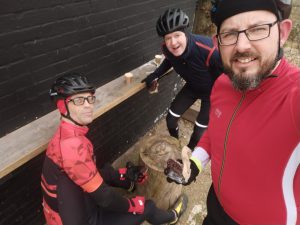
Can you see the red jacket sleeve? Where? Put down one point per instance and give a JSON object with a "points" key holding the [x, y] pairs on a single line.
{"points": [[78, 163]]}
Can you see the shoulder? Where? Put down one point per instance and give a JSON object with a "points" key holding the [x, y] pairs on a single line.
{"points": [[293, 96], [288, 88], [289, 76], [223, 79], [222, 84], [287, 70], [75, 146], [204, 45], [294, 92], [202, 41], [201, 37]]}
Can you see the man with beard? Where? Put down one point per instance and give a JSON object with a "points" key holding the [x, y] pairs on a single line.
{"points": [[253, 136], [196, 60]]}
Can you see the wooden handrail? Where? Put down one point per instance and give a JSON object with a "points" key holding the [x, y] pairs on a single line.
{"points": [[23, 144]]}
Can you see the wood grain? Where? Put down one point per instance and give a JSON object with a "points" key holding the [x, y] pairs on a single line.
{"points": [[20, 146]]}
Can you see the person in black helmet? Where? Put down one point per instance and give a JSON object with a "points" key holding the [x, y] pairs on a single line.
{"points": [[253, 137], [74, 190], [196, 60]]}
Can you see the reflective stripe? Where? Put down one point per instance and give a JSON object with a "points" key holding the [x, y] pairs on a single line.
{"points": [[52, 217], [93, 184], [47, 192], [173, 114], [49, 186], [200, 125], [211, 51], [287, 186], [209, 56], [197, 162], [204, 46]]}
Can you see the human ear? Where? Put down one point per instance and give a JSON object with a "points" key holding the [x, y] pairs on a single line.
{"points": [[61, 105], [285, 27]]}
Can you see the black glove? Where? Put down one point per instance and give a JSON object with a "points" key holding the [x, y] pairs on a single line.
{"points": [[194, 173], [149, 79], [136, 174], [174, 172]]}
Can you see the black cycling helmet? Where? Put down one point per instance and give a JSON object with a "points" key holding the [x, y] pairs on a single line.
{"points": [[172, 20], [65, 86], [70, 84], [223, 9]]}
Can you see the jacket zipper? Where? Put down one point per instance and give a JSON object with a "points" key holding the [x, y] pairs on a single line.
{"points": [[225, 143]]}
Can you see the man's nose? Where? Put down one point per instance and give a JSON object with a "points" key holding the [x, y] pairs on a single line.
{"points": [[243, 42], [173, 41]]}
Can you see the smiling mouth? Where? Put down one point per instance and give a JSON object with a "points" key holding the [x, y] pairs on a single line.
{"points": [[245, 60]]}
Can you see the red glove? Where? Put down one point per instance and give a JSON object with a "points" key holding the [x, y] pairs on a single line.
{"points": [[136, 205], [122, 172], [136, 174]]}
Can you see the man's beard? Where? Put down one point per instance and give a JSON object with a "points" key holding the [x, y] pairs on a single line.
{"points": [[244, 82]]}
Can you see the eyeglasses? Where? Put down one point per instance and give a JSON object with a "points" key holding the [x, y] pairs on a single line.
{"points": [[81, 100], [256, 33]]}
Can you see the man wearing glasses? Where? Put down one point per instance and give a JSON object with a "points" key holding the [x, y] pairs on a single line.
{"points": [[74, 190], [253, 136]]}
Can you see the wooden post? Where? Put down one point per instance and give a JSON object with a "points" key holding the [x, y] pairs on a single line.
{"points": [[154, 153]]}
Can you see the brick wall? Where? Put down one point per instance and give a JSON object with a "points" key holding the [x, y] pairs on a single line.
{"points": [[43, 39], [121, 127], [20, 195], [40, 40], [111, 134]]}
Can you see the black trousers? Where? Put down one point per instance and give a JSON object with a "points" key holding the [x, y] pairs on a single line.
{"points": [[152, 215], [78, 208], [100, 216], [215, 213], [183, 100]]}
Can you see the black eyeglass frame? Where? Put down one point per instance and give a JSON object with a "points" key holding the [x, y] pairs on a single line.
{"points": [[245, 31], [90, 99]]}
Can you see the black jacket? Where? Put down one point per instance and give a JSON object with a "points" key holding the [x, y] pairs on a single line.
{"points": [[199, 65]]}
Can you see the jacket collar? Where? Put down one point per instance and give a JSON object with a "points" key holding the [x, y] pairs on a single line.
{"points": [[79, 130]]}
